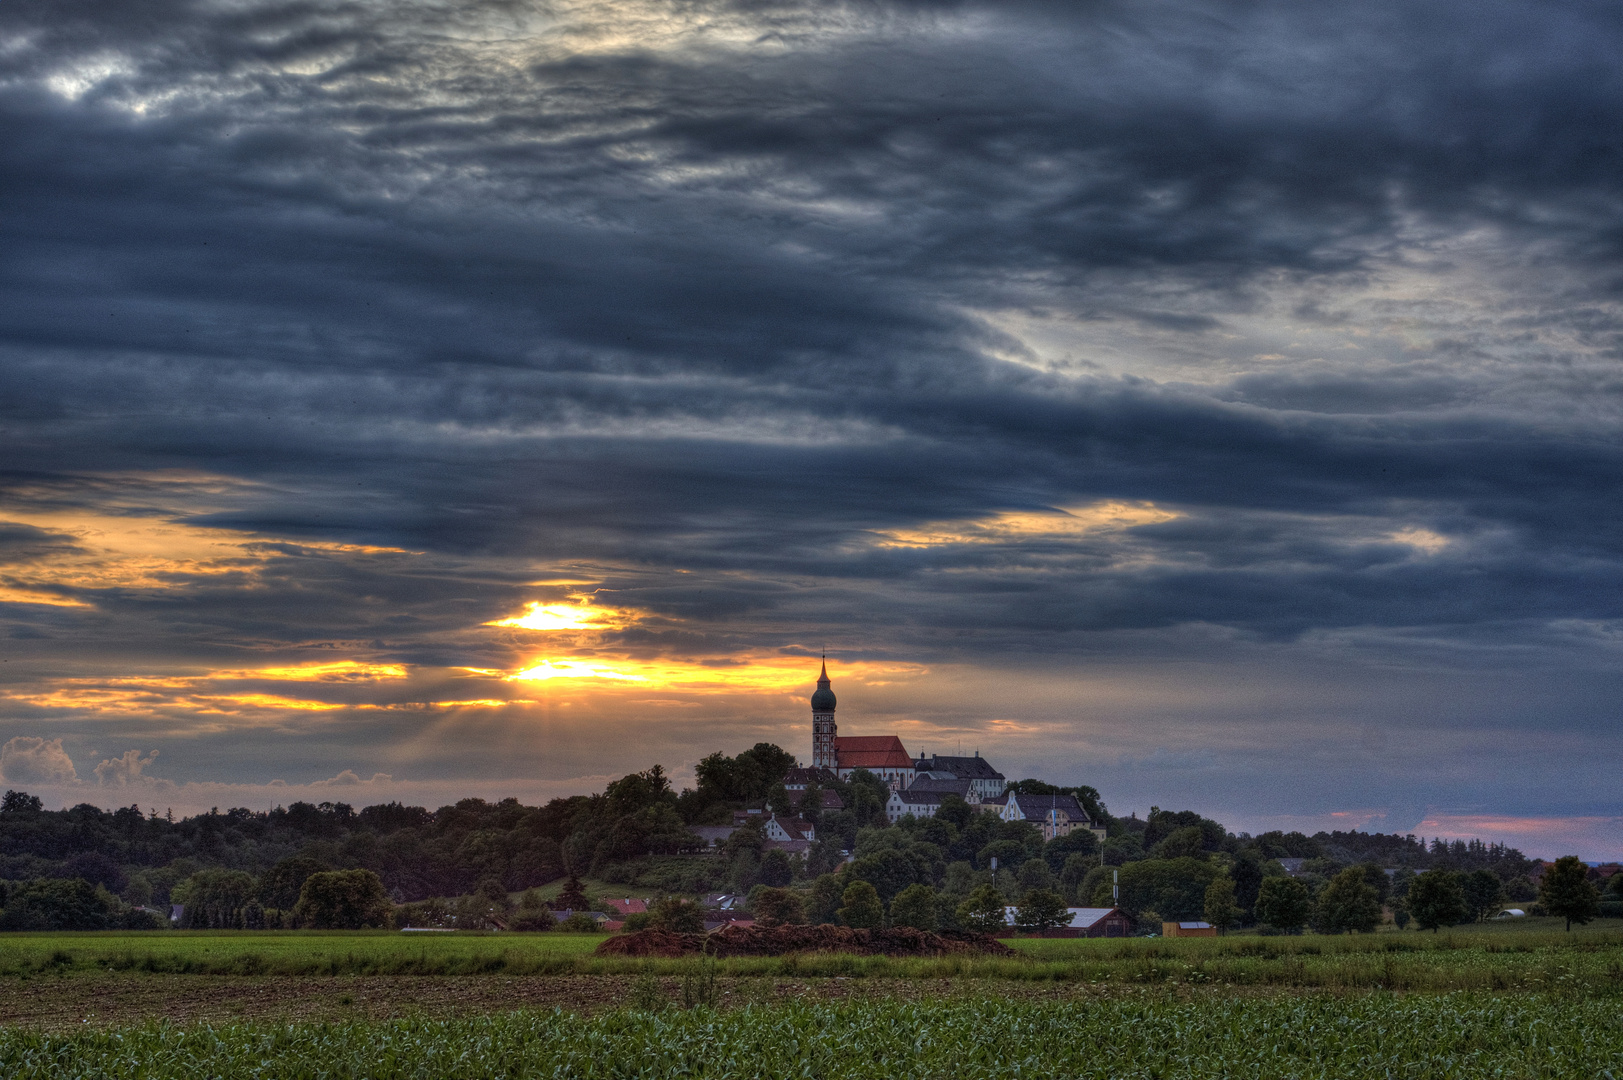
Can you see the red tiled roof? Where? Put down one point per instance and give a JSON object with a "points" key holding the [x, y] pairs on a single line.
{"points": [[627, 906], [871, 752]]}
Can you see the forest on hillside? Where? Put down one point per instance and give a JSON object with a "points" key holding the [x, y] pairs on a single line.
{"points": [[636, 835]]}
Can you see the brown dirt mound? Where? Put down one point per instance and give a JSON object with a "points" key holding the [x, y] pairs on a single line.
{"points": [[782, 940], [652, 943]]}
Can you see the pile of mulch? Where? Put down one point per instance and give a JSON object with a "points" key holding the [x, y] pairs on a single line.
{"points": [[783, 940], [652, 943]]}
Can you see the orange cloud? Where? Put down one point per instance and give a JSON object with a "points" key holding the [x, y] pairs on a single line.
{"points": [[129, 544], [580, 615], [1592, 837], [753, 674], [1015, 526]]}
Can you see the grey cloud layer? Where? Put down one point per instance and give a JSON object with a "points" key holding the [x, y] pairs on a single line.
{"points": [[728, 288]]}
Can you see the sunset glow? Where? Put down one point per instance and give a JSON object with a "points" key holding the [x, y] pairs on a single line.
{"points": [[582, 615], [1217, 407], [1017, 526]]}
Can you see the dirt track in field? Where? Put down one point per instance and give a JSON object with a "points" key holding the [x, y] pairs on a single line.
{"points": [[117, 999]]}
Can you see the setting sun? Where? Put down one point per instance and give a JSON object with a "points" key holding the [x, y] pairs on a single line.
{"points": [[578, 616]]}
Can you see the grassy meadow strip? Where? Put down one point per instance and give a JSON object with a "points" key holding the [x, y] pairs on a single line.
{"points": [[1589, 962], [1372, 1035]]}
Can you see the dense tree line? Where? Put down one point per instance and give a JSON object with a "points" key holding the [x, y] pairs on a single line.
{"points": [[250, 868]]}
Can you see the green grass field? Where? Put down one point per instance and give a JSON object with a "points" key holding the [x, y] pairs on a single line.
{"points": [[1529, 1001], [1447, 1037], [1534, 959]]}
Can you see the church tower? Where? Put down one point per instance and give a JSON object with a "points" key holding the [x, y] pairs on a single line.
{"points": [[822, 703]]}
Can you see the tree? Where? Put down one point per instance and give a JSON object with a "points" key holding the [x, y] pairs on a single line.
{"points": [[1483, 893], [573, 897], [823, 902], [1220, 909], [776, 906], [59, 904], [1008, 853], [1041, 910], [1436, 899], [1076, 871], [279, 887], [1034, 874], [214, 899], [776, 870], [1565, 891], [97, 869], [21, 803], [1187, 842], [868, 796], [342, 900], [955, 811], [914, 906], [1247, 875], [1058, 851], [1349, 904], [537, 919], [676, 915], [1121, 850], [983, 911], [1283, 904], [1174, 887], [860, 907]]}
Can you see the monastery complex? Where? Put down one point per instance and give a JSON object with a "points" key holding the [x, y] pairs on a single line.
{"points": [[918, 785]]}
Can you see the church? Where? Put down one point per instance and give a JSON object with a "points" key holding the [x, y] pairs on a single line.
{"points": [[882, 755], [917, 788]]}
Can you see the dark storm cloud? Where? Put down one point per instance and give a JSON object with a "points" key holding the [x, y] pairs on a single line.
{"points": [[742, 289]]}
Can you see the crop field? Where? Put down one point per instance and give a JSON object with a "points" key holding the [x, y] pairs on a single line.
{"points": [[1418, 1037], [1589, 960], [1532, 1003]]}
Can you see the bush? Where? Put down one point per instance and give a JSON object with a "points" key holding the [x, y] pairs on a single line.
{"points": [[580, 923], [534, 920], [136, 919]]}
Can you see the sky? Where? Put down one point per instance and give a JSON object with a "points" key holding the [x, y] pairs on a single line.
{"points": [[1213, 402]]}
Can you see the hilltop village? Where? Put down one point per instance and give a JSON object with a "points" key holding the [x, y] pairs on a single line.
{"points": [[864, 833], [917, 787]]}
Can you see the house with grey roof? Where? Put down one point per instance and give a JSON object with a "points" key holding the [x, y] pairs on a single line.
{"points": [[946, 784], [985, 781], [921, 804], [1055, 815]]}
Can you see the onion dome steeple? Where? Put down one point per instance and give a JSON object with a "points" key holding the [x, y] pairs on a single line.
{"points": [[822, 700]]}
